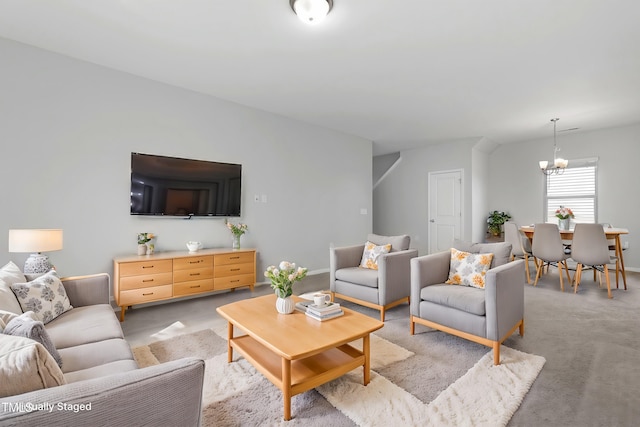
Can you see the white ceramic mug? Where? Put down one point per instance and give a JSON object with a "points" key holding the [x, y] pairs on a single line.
{"points": [[320, 300]]}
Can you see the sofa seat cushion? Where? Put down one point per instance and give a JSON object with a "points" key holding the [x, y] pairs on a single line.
{"points": [[94, 354], [101, 371], [83, 325], [359, 276], [463, 298]]}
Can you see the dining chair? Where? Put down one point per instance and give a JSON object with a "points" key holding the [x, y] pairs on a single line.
{"points": [[591, 249], [520, 245], [548, 249]]}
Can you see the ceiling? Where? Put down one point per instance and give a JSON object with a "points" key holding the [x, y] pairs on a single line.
{"points": [[400, 73]]}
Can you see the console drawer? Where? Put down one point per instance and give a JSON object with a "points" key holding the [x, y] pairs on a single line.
{"points": [[233, 281], [139, 296], [232, 270], [193, 274], [146, 267], [193, 262], [194, 287], [145, 281], [234, 258]]}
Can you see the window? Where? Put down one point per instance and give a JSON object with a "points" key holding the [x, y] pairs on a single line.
{"points": [[576, 189]]}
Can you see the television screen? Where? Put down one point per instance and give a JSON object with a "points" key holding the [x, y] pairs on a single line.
{"points": [[184, 187]]}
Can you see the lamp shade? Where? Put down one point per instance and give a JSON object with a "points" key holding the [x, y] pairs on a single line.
{"points": [[35, 240]]}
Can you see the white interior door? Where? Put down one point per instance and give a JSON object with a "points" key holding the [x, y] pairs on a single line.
{"points": [[445, 209]]}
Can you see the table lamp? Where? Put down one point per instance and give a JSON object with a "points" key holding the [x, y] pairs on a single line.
{"points": [[35, 241]]}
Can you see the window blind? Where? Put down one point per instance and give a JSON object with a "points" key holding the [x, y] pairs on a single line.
{"points": [[575, 189]]}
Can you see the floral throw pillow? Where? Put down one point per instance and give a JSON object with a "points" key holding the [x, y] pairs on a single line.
{"points": [[45, 296], [468, 269], [371, 254]]}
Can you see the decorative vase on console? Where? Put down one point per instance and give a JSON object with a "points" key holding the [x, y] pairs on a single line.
{"points": [[564, 224], [144, 243], [237, 230], [282, 279]]}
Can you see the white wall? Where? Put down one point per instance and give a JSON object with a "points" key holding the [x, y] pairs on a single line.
{"points": [[400, 202], [479, 194], [517, 184], [67, 129]]}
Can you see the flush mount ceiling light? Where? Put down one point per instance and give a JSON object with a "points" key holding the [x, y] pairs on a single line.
{"points": [[311, 11], [559, 164]]}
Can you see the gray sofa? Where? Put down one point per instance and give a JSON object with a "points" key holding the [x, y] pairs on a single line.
{"points": [[487, 316], [104, 385]]}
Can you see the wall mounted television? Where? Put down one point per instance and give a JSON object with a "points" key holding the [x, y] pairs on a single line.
{"points": [[172, 186]]}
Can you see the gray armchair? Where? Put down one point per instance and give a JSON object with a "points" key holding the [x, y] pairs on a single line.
{"points": [[487, 316], [379, 289]]}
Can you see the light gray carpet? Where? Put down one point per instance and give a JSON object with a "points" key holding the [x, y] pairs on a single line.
{"points": [[591, 345], [236, 394]]}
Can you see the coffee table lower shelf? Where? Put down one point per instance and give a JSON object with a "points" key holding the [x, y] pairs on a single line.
{"points": [[297, 376]]}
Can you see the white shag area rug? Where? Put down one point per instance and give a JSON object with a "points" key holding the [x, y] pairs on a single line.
{"points": [[235, 394]]}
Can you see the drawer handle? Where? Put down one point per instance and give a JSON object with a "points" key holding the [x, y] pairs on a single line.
{"points": [[147, 280], [234, 257], [195, 262], [233, 281], [194, 274], [147, 266], [193, 287], [146, 295], [235, 269]]}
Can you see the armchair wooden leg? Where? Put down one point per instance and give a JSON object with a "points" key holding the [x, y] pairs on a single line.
{"points": [[412, 324], [606, 274], [496, 353], [521, 328], [382, 314]]}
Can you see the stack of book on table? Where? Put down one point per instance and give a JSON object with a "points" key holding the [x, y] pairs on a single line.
{"points": [[326, 312]]}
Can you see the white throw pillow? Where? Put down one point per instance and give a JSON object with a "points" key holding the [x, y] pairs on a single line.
{"points": [[26, 325], [371, 253], [25, 365], [45, 296], [468, 269], [10, 274]]}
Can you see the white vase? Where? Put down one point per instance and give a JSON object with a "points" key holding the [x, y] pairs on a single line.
{"points": [[285, 305], [142, 249], [564, 224]]}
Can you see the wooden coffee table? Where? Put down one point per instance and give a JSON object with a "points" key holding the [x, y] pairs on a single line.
{"points": [[295, 352]]}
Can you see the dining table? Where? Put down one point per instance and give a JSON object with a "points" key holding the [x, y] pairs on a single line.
{"points": [[612, 233]]}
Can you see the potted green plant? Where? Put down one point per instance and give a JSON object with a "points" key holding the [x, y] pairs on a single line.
{"points": [[495, 221]]}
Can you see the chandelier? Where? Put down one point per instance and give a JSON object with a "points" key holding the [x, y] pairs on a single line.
{"points": [[559, 164]]}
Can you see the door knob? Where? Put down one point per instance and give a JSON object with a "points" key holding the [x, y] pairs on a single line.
{"points": [[432, 220]]}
